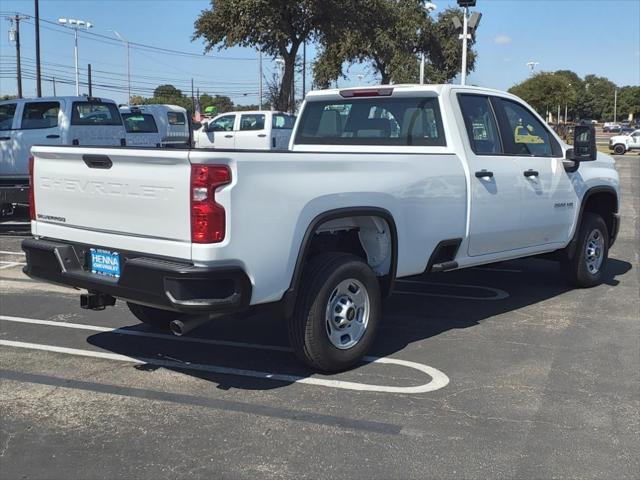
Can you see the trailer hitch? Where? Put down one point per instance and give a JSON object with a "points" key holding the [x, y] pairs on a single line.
{"points": [[96, 301]]}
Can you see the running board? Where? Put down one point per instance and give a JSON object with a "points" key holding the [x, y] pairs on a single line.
{"points": [[444, 266]]}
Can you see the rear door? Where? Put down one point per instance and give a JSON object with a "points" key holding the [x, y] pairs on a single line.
{"points": [[281, 129], [252, 132], [95, 123], [40, 124], [141, 129], [495, 181], [125, 198]]}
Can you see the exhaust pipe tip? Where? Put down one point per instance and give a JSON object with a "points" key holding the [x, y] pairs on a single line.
{"points": [[177, 327]]}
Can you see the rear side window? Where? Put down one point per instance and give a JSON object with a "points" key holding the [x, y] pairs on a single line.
{"points": [[283, 122], [252, 121], [7, 111], [176, 118], [139, 123], [481, 125], [40, 115], [522, 132], [372, 121], [95, 113]]}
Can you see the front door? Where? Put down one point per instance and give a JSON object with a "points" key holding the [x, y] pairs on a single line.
{"points": [[549, 201], [8, 125], [495, 183], [39, 125], [222, 129]]}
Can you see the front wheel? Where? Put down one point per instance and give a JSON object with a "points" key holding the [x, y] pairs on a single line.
{"points": [[153, 317], [337, 312], [585, 268], [619, 149]]}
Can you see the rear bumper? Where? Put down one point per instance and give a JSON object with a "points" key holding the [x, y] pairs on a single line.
{"points": [[153, 281]]}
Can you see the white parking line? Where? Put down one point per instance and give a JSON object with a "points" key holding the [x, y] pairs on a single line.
{"points": [[438, 379], [10, 264], [488, 269], [498, 294], [4, 252]]}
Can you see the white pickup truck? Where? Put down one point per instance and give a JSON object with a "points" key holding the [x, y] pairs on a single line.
{"points": [[621, 144], [379, 183]]}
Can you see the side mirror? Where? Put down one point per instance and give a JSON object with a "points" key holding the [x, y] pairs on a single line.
{"points": [[584, 144]]}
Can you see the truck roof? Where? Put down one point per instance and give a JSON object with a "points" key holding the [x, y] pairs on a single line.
{"points": [[72, 98], [399, 88]]}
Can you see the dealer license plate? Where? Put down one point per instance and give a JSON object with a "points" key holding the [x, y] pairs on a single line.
{"points": [[104, 262]]}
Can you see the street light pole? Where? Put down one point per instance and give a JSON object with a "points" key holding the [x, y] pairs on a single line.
{"points": [[126, 44], [429, 7], [465, 26], [615, 105], [75, 25], [260, 76]]}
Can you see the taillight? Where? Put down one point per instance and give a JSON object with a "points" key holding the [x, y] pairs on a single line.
{"points": [[367, 92], [207, 216], [32, 197]]}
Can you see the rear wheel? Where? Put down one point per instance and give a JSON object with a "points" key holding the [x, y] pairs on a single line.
{"points": [[337, 312], [619, 149], [585, 268], [153, 317]]}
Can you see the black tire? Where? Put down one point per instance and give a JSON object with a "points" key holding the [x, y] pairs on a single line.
{"points": [[308, 324], [576, 265], [619, 149], [153, 317]]}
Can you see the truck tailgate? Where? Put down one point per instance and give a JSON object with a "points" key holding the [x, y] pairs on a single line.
{"points": [[134, 199]]}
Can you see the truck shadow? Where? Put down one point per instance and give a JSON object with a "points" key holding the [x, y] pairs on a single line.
{"points": [[427, 307]]}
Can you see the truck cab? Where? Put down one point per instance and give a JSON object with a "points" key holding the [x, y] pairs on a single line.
{"points": [[25, 122], [249, 130]]}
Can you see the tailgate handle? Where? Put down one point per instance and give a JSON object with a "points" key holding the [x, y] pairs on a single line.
{"points": [[97, 161]]}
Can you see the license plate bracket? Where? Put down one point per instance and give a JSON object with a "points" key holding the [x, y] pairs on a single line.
{"points": [[104, 262]]}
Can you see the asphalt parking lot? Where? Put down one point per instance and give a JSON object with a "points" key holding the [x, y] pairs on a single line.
{"points": [[494, 372]]}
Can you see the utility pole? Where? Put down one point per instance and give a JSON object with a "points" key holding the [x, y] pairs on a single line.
{"points": [[37, 23], [193, 99], [16, 37], [89, 80], [53, 79]]}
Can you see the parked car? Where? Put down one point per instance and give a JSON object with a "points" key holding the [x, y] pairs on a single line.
{"points": [[621, 144], [173, 124], [259, 130], [379, 183], [610, 127], [626, 129], [50, 121], [141, 127]]}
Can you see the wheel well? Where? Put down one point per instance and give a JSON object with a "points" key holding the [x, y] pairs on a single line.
{"points": [[367, 237], [604, 204]]}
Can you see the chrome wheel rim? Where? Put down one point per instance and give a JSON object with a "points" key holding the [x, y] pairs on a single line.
{"points": [[594, 251], [347, 314]]}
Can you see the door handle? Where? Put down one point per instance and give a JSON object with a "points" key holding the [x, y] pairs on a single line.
{"points": [[2, 139], [531, 173], [228, 136], [262, 135], [97, 161], [53, 136], [484, 174]]}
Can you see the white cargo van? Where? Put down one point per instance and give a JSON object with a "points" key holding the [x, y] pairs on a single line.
{"points": [[173, 124], [141, 127], [249, 130], [82, 121]]}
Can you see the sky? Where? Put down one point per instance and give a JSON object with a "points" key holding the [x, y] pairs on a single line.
{"points": [[587, 36]]}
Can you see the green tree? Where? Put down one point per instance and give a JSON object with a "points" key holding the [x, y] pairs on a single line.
{"points": [[546, 91], [276, 27], [629, 102], [599, 97], [391, 34], [167, 91]]}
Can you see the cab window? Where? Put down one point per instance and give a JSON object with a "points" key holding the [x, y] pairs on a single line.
{"points": [[522, 132], [372, 121], [95, 113], [280, 122], [7, 112], [139, 123], [176, 118], [481, 125], [40, 115], [252, 122], [222, 124]]}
